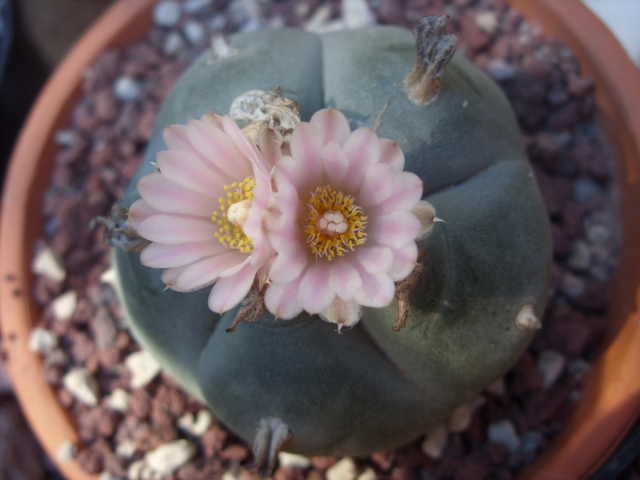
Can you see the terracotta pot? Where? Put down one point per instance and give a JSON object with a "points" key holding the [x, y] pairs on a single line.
{"points": [[610, 401]]}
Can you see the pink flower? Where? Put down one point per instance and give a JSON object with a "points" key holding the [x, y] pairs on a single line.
{"points": [[341, 221], [202, 211]]}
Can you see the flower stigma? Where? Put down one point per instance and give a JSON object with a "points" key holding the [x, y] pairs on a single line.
{"points": [[232, 213], [335, 224]]}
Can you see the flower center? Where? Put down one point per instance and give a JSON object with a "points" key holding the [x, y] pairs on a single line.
{"points": [[232, 213], [335, 224]]}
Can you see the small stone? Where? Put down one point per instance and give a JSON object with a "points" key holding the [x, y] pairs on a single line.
{"points": [[579, 368], [318, 19], [345, 469], [585, 189], [504, 433], [65, 138], [170, 456], [126, 88], [460, 418], [47, 264], [531, 442], [437, 437], [368, 474], [498, 388], [143, 368], [66, 452], [167, 13], [487, 21], [192, 6], [118, 400], [572, 285], [42, 340], [291, 460], [356, 14], [126, 448], [64, 305], [526, 319], [194, 32], [108, 476], [551, 364], [196, 426], [580, 259], [173, 44], [500, 70], [82, 386], [139, 470]]}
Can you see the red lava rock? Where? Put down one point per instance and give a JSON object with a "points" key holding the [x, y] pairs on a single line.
{"points": [[212, 441], [102, 72], [235, 452], [565, 117], [323, 463], [289, 473], [391, 11], [472, 35], [140, 403], [580, 86], [475, 466], [106, 105], [524, 377]]}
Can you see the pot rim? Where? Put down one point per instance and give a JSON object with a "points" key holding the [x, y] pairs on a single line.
{"points": [[610, 401]]}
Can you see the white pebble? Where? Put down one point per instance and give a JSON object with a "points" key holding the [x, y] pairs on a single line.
{"points": [[66, 452], [126, 448], [500, 70], [460, 418], [356, 14], [126, 88], [170, 456], [108, 476], [292, 460], [504, 433], [173, 44], [64, 305], [345, 469], [47, 264], [487, 21], [551, 365], [109, 276], [319, 18], [191, 6], [139, 470], [580, 258], [194, 32], [143, 368], [167, 13], [196, 426], [65, 138], [368, 474], [526, 319], [42, 340], [118, 400], [436, 440], [82, 386]]}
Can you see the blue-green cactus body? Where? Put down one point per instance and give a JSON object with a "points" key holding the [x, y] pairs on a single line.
{"points": [[368, 388]]}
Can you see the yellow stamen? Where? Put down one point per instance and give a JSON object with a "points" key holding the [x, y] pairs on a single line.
{"points": [[230, 231], [335, 224]]}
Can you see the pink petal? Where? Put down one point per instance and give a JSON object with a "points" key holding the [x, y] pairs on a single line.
{"points": [[391, 154], [229, 292], [362, 149], [206, 271], [173, 229], [170, 276], [219, 150], [306, 144], [171, 197], [289, 264], [158, 255], [378, 290], [344, 279], [188, 170], [314, 293], [332, 124], [375, 259], [406, 193], [282, 301], [242, 143], [343, 313], [212, 119], [404, 261], [139, 212], [287, 172], [176, 138], [335, 163], [394, 229], [376, 185]]}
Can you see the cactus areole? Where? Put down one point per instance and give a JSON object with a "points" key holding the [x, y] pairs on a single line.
{"points": [[473, 304]]}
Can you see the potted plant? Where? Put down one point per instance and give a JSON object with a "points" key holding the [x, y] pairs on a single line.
{"points": [[616, 404]]}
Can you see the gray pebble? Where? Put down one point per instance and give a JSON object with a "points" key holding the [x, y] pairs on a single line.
{"points": [[580, 259], [571, 285], [126, 88], [167, 13], [218, 22], [173, 44], [585, 189], [194, 32], [550, 364], [500, 70], [191, 6], [504, 433]]}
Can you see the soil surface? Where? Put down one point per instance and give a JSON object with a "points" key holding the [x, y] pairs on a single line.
{"points": [[128, 421]]}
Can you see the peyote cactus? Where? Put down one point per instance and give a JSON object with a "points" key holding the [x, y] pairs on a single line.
{"points": [[472, 305]]}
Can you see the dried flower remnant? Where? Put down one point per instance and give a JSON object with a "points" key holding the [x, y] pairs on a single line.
{"points": [[201, 211], [341, 222]]}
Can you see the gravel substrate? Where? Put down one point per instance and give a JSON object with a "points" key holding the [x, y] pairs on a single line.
{"points": [[136, 423]]}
